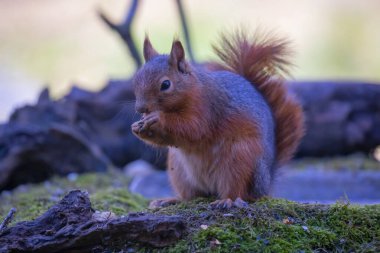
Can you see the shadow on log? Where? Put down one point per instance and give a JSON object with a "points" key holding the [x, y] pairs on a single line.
{"points": [[72, 226]]}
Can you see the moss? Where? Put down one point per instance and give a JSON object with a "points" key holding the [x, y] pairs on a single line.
{"points": [[268, 225], [119, 201], [108, 191], [276, 225], [29, 203]]}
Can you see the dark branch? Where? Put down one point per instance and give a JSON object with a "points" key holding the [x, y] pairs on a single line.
{"points": [[131, 13], [7, 220], [185, 28], [124, 30]]}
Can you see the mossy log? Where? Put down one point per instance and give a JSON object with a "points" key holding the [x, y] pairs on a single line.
{"points": [[267, 225], [72, 226]]}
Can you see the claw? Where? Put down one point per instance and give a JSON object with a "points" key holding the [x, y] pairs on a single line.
{"points": [[222, 204], [136, 127], [228, 203], [239, 203], [158, 203]]}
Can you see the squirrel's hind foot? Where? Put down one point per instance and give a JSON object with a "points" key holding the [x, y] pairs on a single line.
{"points": [[158, 203], [228, 203]]}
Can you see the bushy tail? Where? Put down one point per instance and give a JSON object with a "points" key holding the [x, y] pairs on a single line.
{"points": [[263, 60]]}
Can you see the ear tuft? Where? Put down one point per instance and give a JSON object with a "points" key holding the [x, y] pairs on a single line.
{"points": [[177, 57], [149, 51]]}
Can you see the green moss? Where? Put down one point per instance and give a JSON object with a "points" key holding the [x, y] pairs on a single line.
{"points": [[276, 225], [108, 191], [119, 201], [268, 225], [29, 204]]}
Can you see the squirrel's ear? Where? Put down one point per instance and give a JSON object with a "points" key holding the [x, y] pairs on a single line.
{"points": [[149, 51], [177, 57]]}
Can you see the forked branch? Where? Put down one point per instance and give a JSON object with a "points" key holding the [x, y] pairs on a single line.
{"points": [[124, 30]]}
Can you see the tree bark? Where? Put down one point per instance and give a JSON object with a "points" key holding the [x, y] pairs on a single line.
{"points": [[72, 226]]}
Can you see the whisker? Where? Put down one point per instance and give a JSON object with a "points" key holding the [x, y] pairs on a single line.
{"points": [[123, 102], [125, 112], [121, 109], [134, 116]]}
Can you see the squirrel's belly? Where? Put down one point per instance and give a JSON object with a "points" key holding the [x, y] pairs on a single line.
{"points": [[201, 168]]}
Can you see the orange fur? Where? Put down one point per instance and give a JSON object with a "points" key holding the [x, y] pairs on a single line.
{"points": [[218, 164], [263, 60], [191, 124]]}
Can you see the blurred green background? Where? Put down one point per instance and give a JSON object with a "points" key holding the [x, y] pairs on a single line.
{"points": [[62, 42]]}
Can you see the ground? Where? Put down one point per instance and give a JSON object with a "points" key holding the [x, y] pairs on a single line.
{"points": [[268, 225], [277, 225], [108, 191]]}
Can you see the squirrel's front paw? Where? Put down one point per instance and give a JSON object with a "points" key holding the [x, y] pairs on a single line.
{"points": [[150, 129], [144, 127]]}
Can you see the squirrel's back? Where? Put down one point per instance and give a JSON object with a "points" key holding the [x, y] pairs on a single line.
{"points": [[247, 100]]}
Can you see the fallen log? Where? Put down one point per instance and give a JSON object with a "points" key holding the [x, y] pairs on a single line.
{"points": [[72, 226], [341, 117], [41, 141], [82, 132]]}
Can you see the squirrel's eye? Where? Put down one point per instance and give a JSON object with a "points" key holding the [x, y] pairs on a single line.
{"points": [[165, 85]]}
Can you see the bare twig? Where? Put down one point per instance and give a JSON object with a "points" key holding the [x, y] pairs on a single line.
{"points": [[185, 29], [124, 30], [7, 219]]}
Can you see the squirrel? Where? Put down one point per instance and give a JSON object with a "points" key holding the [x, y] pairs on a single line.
{"points": [[228, 125]]}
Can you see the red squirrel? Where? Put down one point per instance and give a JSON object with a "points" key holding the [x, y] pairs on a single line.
{"points": [[228, 125]]}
